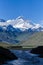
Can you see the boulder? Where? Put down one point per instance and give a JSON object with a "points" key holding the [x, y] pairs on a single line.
{"points": [[38, 50], [6, 55]]}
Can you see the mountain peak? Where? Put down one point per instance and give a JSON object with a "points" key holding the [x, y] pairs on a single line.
{"points": [[20, 23], [19, 17]]}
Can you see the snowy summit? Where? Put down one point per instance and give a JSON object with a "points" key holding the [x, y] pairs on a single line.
{"points": [[20, 23]]}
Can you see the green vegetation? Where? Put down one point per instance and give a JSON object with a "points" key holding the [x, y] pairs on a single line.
{"points": [[14, 47]]}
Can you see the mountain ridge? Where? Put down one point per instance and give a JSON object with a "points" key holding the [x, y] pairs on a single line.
{"points": [[20, 23], [18, 30]]}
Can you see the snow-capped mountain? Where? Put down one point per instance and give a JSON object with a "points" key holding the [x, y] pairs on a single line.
{"points": [[20, 23], [23, 24], [17, 30]]}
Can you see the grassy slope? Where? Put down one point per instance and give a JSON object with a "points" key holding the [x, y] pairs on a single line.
{"points": [[34, 40]]}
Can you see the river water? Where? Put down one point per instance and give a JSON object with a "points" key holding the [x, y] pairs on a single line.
{"points": [[25, 58]]}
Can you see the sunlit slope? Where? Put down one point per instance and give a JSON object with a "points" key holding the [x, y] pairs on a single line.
{"points": [[34, 40], [3, 44]]}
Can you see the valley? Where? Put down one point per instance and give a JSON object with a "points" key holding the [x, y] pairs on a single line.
{"points": [[34, 40]]}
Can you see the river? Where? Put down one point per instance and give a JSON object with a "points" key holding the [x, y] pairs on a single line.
{"points": [[25, 58]]}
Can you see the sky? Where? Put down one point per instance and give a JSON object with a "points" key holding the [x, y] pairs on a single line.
{"points": [[29, 9]]}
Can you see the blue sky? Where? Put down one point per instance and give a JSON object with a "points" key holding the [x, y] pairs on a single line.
{"points": [[29, 9]]}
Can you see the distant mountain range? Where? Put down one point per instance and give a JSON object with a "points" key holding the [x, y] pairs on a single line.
{"points": [[17, 30]]}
